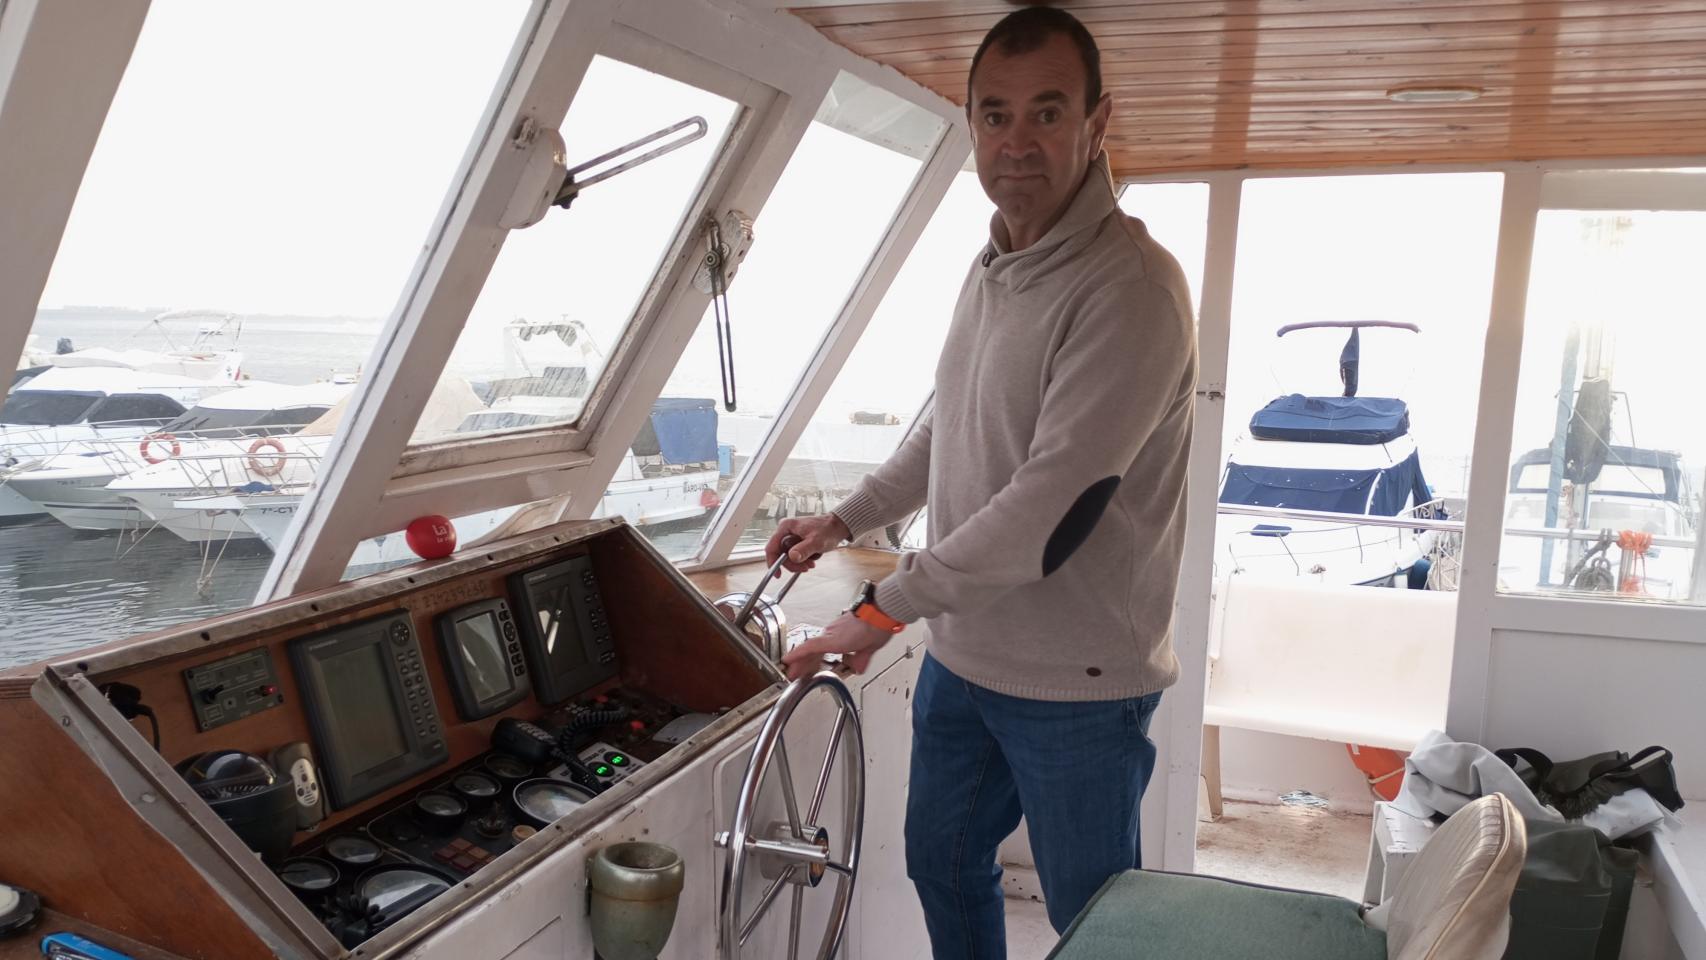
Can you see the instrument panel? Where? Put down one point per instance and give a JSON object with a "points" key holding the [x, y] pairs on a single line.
{"points": [[363, 877], [416, 736], [377, 723]]}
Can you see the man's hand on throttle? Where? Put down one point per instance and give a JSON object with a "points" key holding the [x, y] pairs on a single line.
{"points": [[817, 535]]}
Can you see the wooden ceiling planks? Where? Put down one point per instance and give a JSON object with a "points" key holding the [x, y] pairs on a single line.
{"points": [[1226, 84]]}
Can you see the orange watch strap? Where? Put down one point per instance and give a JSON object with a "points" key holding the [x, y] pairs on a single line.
{"points": [[869, 613]]}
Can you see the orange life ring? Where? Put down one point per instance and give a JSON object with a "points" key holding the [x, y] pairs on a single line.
{"points": [[1383, 768], [270, 468], [148, 441]]}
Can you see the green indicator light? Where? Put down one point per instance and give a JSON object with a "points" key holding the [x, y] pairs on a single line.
{"points": [[618, 760], [602, 770]]}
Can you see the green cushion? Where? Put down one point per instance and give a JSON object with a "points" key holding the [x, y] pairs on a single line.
{"points": [[1139, 915]]}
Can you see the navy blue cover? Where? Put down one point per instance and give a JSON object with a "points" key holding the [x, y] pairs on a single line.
{"points": [[1302, 419], [681, 430], [1383, 492]]}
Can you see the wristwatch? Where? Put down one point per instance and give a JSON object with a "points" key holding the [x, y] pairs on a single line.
{"points": [[865, 608]]}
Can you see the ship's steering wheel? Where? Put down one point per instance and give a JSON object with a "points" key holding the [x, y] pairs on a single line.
{"points": [[801, 853]]}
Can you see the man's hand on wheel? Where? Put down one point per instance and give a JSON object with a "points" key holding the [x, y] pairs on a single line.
{"points": [[849, 636], [816, 536]]}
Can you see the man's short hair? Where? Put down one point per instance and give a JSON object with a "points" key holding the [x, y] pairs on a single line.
{"points": [[1028, 29]]}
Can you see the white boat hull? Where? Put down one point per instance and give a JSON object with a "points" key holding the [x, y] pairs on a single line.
{"points": [[177, 511], [15, 507], [81, 502], [656, 500], [644, 501]]}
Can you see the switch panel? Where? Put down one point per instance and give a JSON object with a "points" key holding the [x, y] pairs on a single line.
{"points": [[233, 688]]}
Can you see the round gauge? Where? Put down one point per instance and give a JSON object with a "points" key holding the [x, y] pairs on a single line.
{"points": [[308, 875], [475, 787], [352, 851], [508, 769], [394, 891], [544, 801], [437, 810], [401, 830]]}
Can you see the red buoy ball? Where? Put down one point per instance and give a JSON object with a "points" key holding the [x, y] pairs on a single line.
{"points": [[431, 537]]}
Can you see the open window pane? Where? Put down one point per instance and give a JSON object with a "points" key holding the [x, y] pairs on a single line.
{"points": [[820, 226], [563, 291], [275, 167], [877, 395], [1374, 420], [1604, 495]]}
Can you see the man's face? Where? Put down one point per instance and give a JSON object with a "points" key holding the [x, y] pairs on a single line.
{"points": [[1031, 134]]}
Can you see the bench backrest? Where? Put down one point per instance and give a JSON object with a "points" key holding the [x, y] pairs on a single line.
{"points": [[1384, 652]]}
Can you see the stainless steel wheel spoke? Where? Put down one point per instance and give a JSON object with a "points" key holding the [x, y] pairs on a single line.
{"points": [[794, 924], [828, 765], [840, 868], [788, 797], [764, 903]]}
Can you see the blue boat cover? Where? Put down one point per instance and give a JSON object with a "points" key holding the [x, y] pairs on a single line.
{"points": [[681, 430], [1384, 492], [1302, 419]]}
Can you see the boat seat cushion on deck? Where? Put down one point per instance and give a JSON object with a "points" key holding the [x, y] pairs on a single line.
{"points": [[1141, 914]]}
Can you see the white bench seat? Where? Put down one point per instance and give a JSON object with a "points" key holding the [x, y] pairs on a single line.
{"points": [[1363, 665]]}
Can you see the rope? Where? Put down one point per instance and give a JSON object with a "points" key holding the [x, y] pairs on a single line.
{"points": [[1637, 543]]}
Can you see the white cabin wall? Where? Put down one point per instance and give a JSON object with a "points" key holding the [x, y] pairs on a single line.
{"points": [[1647, 935], [1570, 695]]}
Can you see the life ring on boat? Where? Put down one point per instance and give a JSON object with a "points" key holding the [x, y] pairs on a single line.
{"points": [[708, 499], [1383, 768], [267, 468], [148, 441]]}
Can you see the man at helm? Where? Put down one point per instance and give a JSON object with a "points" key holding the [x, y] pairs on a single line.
{"points": [[1053, 465]]}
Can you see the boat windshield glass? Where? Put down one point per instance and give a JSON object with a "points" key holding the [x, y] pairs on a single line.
{"points": [[293, 193], [563, 291], [791, 288], [877, 395], [1613, 480], [47, 408], [216, 421], [138, 408]]}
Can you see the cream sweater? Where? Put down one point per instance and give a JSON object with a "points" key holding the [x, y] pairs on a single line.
{"points": [[1053, 465]]}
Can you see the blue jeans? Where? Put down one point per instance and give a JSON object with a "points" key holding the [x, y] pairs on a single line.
{"points": [[1077, 771]]}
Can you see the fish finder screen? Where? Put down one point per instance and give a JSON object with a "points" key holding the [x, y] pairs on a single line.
{"points": [[557, 628], [564, 631], [361, 706], [483, 660], [372, 713]]}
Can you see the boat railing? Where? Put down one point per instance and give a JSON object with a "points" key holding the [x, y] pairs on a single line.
{"points": [[1399, 522], [1407, 522], [39, 434], [233, 435], [1591, 535]]}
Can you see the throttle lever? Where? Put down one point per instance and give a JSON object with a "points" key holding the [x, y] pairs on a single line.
{"points": [[788, 543]]}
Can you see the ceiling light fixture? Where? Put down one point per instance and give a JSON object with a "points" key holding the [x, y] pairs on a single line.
{"points": [[1433, 94]]}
